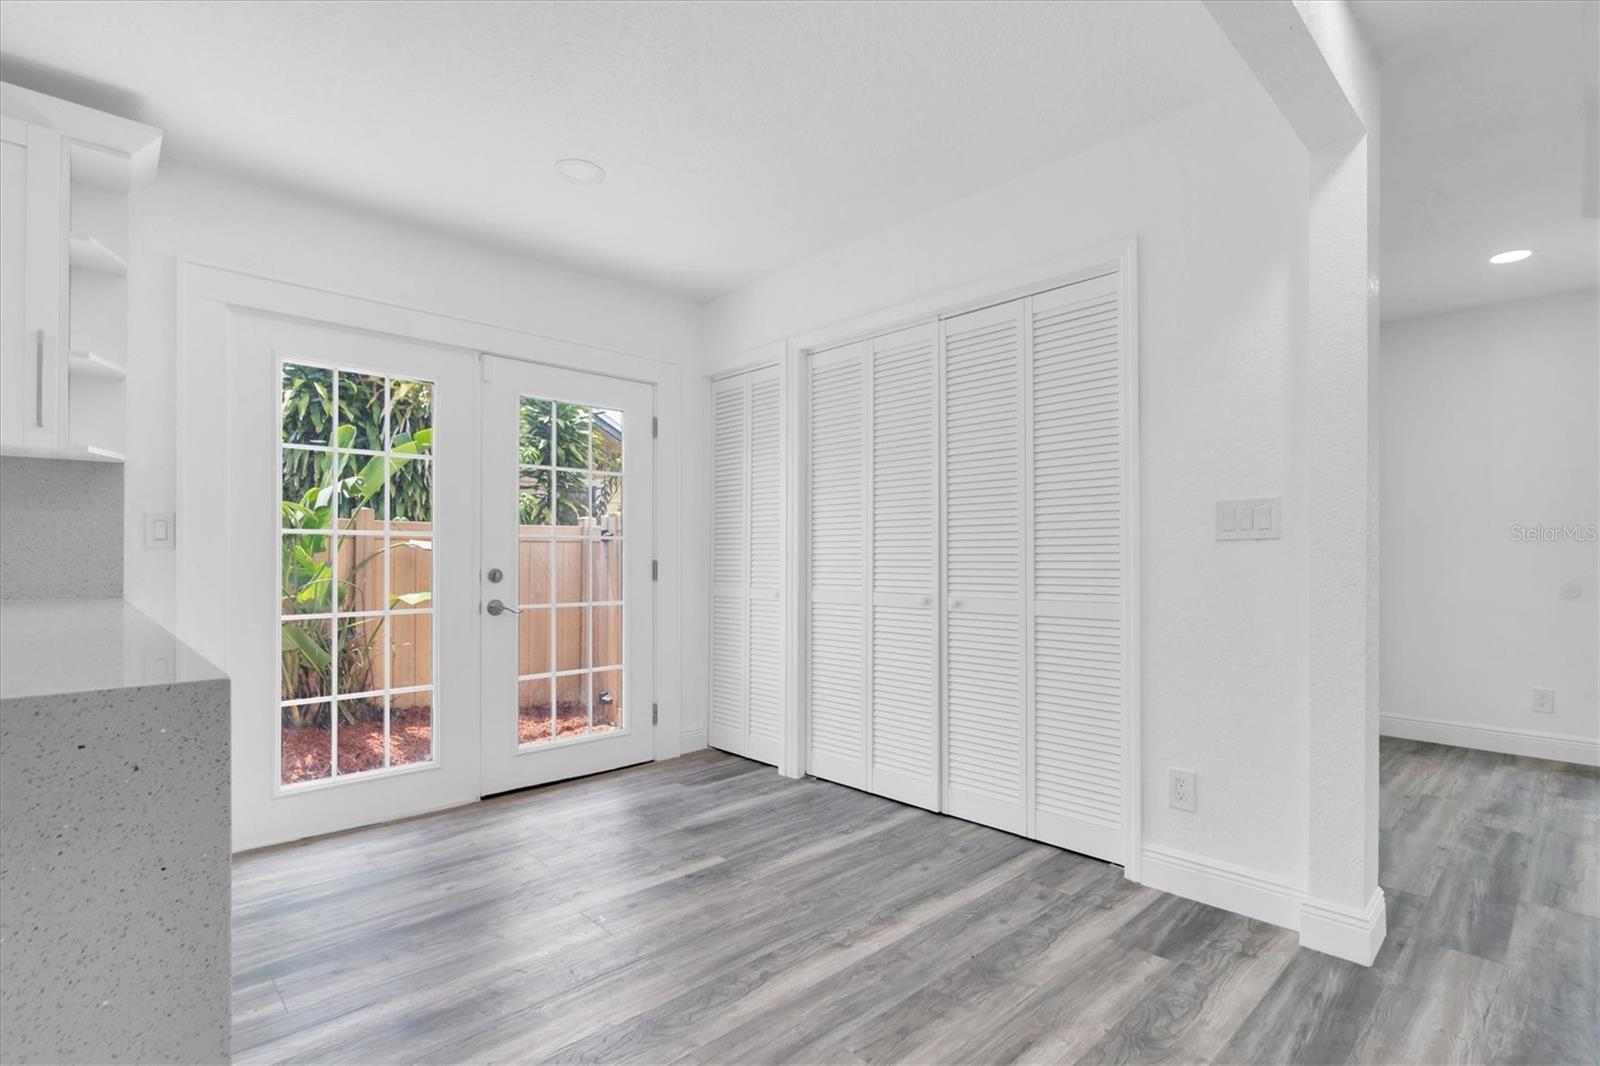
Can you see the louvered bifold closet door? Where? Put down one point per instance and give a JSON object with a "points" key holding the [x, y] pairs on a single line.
{"points": [[984, 556], [836, 470], [730, 434], [1079, 498], [764, 740], [904, 521]]}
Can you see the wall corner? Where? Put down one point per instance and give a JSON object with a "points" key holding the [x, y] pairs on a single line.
{"points": [[1355, 935]]}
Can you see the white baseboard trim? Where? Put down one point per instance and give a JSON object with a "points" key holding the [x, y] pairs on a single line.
{"points": [[1222, 884], [1344, 932], [1562, 747], [691, 740]]}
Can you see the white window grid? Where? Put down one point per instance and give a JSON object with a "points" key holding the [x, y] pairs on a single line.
{"points": [[335, 534], [591, 538]]}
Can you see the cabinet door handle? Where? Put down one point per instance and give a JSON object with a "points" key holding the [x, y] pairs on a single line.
{"points": [[38, 378]]}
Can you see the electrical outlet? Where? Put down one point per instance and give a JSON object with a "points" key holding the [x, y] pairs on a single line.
{"points": [[1544, 701], [1180, 789]]}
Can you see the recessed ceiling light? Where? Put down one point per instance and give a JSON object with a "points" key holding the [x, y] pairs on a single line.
{"points": [[1510, 257], [580, 171]]}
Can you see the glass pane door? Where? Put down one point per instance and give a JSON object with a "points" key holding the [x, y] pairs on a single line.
{"points": [[346, 552], [566, 592]]}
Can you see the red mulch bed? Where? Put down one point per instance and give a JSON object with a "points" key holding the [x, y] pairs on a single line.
{"points": [[306, 752], [533, 723]]}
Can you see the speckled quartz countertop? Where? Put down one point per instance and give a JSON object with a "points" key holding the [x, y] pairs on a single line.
{"points": [[57, 647], [114, 838]]}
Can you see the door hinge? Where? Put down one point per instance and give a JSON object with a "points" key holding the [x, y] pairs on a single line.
{"points": [[655, 427], [655, 714], [655, 570]]}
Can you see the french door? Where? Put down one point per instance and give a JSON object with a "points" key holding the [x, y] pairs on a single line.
{"points": [[435, 595], [351, 604], [566, 582]]}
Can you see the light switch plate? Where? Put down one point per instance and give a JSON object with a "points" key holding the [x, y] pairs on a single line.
{"points": [[160, 531], [157, 669], [1257, 519]]}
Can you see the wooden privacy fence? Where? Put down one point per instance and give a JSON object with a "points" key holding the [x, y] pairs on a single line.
{"points": [[583, 571]]}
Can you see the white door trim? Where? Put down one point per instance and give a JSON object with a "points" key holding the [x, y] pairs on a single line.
{"points": [[208, 295], [1121, 256]]}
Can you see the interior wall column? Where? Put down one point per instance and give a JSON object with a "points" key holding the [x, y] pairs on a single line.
{"points": [[1311, 59], [1343, 912]]}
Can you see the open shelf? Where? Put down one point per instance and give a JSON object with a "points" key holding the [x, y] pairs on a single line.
{"points": [[87, 253], [90, 365]]}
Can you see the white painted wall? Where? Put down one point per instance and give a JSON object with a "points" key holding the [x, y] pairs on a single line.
{"points": [[216, 218], [1489, 423], [1218, 200]]}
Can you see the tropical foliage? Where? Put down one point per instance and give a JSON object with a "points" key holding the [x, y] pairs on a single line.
{"points": [[562, 435], [328, 484], [308, 418], [310, 587], [339, 463]]}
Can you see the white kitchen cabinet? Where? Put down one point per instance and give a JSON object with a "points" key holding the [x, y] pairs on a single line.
{"points": [[33, 283], [64, 178]]}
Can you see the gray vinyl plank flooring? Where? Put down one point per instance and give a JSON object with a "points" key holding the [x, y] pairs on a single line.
{"points": [[706, 910], [1414, 851]]}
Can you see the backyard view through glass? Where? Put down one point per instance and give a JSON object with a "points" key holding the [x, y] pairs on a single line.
{"points": [[569, 571], [356, 692]]}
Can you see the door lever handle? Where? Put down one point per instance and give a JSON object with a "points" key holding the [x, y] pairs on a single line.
{"points": [[496, 609]]}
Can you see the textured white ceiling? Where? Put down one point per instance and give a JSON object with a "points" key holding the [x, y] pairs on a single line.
{"points": [[1484, 141], [736, 136]]}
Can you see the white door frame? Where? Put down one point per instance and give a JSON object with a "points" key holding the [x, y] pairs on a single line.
{"points": [[209, 296], [1121, 255]]}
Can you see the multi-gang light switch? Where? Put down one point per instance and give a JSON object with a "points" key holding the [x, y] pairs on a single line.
{"points": [[1259, 519]]}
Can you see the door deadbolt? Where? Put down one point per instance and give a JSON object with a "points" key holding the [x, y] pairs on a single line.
{"points": [[495, 575]]}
